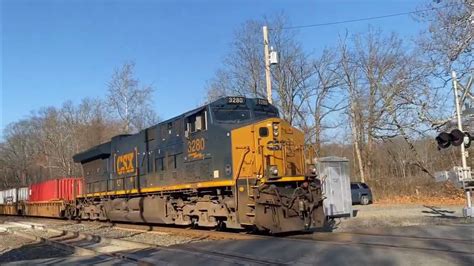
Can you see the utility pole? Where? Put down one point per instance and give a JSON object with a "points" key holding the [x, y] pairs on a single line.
{"points": [[268, 76]]}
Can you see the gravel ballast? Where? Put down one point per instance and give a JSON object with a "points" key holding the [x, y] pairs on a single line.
{"points": [[152, 238]]}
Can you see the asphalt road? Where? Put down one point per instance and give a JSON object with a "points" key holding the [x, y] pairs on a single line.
{"points": [[414, 245], [398, 215]]}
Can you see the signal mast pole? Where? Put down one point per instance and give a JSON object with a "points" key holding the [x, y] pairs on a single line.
{"points": [[463, 149], [268, 77], [458, 116]]}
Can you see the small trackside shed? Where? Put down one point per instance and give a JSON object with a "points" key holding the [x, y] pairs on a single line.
{"points": [[336, 185]]}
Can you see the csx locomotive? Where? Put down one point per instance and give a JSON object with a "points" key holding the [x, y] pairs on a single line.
{"points": [[232, 163]]}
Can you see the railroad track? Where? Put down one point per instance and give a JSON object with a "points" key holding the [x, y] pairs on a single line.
{"points": [[378, 239], [461, 246], [84, 244], [79, 244], [352, 238], [196, 233]]}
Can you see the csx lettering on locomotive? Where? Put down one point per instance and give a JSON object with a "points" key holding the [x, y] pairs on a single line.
{"points": [[125, 163]]}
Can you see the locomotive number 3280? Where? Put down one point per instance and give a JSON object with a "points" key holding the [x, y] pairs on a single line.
{"points": [[196, 145]]}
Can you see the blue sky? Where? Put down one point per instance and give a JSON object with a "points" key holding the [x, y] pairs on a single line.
{"points": [[53, 51]]}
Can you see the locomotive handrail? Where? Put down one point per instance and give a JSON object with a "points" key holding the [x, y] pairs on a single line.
{"points": [[247, 150], [284, 159], [237, 177], [303, 158]]}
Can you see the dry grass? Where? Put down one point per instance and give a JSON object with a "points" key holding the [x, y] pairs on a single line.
{"points": [[421, 200], [418, 192]]}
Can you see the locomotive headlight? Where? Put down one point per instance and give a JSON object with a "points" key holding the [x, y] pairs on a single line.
{"points": [[273, 170], [276, 128]]}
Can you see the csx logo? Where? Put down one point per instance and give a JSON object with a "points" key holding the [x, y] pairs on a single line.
{"points": [[125, 163]]}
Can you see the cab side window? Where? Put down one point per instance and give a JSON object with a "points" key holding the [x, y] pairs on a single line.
{"points": [[196, 122]]}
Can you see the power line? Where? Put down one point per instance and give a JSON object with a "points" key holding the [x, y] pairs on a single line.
{"points": [[364, 19]]}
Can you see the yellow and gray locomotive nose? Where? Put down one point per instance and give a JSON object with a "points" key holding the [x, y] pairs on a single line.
{"points": [[276, 150]]}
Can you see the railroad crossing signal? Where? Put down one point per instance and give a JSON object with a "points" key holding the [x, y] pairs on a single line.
{"points": [[455, 138]]}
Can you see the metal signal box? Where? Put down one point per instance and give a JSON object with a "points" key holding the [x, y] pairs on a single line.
{"points": [[333, 173]]}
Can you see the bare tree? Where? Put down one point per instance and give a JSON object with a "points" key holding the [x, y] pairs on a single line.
{"points": [[304, 89], [292, 74], [130, 101], [41, 146], [93, 124], [387, 90], [244, 71], [219, 86], [448, 41], [17, 153], [447, 44], [322, 96], [350, 82], [56, 141]]}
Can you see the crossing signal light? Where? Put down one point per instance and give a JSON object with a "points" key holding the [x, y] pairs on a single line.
{"points": [[455, 138]]}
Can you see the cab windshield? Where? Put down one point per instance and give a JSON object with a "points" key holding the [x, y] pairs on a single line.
{"points": [[240, 110], [233, 115], [264, 112]]}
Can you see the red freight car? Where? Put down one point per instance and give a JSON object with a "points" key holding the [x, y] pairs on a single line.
{"points": [[53, 198], [56, 189]]}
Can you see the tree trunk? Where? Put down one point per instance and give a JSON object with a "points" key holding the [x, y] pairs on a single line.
{"points": [[358, 154]]}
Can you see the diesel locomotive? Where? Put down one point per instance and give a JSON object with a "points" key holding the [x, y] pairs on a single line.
{"points": [[232, 163]]}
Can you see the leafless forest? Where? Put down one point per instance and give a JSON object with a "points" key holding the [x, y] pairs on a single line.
{"points": [[374, 97]]}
